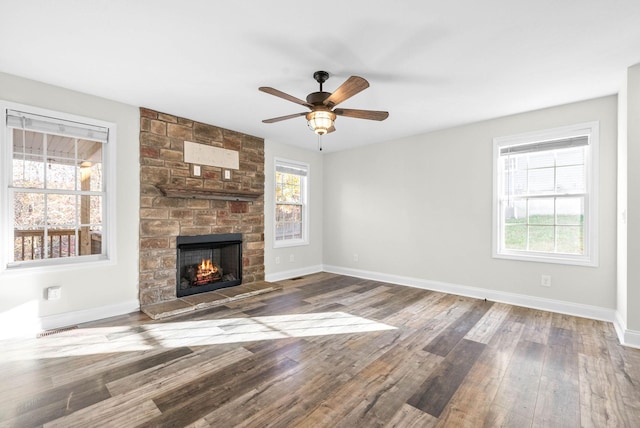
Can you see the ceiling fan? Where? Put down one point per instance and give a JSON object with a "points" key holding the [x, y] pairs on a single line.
{"points": [[322, 115]]}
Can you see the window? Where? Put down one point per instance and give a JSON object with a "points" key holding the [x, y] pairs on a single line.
{"points": [[545, 195], [291, 216], [55, 187]]}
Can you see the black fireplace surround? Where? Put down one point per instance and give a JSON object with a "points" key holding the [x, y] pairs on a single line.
{"points": [[208, 262]]}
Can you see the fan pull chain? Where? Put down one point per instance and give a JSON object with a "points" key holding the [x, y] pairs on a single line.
{"points": [[320, 142]]}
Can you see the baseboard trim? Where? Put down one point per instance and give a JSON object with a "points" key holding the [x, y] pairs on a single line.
{"points": [[568, 308], [86, 315], [626, 337], [281, 276], [631, 338]]}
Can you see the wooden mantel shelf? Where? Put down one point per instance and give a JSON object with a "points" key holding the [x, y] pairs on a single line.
{"points": [[183, 192]]}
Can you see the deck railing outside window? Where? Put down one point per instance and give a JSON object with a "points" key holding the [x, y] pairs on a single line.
{"points": [[31, 245]]}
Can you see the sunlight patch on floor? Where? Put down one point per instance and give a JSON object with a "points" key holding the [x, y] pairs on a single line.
{"points": [[100, 340]]}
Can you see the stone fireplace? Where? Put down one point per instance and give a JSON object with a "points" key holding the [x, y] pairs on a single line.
{"points": [[181, 202]]}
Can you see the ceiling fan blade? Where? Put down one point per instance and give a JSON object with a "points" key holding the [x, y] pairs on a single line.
{"points": [[330, 130], [278, 119], [362, 114], [349, 88], [282, 95]]}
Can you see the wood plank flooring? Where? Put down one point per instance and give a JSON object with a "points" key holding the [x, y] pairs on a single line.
{"points": [[327, 351]]}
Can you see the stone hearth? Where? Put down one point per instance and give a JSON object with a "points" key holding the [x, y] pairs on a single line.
{"points": [[176, 199], [210, 299]]}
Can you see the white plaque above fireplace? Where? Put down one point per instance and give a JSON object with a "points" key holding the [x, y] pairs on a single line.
{"points": [[208, 155]]}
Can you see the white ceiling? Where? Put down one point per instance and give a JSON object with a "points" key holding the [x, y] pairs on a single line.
{"points": [[431, 64]]}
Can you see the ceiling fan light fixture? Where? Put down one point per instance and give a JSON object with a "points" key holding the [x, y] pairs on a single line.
{"points": [[322, 115], [320, 121]]}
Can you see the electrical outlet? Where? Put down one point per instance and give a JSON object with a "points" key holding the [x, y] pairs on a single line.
{"points": [[355, 257], [545, 280], [292, 258], [278, 260], [54, 293], [227, 174], [196, 170]]}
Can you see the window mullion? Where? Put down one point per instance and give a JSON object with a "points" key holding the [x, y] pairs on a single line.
{"points": [[78, 199], [45, 226], [555, 224], [290, 203], [528, 234], [555, 190], [76, 227], [549, 195]]}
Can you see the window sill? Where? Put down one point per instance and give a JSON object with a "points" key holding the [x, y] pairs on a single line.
{"points": [[57, 265], [285, 244], [549, 258]]}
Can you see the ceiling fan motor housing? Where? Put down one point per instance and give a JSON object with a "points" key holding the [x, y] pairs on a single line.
{"points": [[317, 98]]}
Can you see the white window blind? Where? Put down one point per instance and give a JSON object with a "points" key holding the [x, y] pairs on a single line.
{"points": [[544, 146], [50, 125], [291, 169]]}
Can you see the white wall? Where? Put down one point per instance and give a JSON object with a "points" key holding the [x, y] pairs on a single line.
{"points": [[306, 258], [621, 248], [87, 292], [633, 200], [421, 208]]}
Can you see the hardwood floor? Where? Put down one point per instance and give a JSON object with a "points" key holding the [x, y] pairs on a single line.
{"points": [[327, 351]]}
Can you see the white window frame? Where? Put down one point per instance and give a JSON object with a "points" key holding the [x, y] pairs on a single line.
{"points": [[6, 213], [590, 256], [304, 203]]}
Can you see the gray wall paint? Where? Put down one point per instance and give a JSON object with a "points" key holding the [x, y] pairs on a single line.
{"points": [[421, 207]]}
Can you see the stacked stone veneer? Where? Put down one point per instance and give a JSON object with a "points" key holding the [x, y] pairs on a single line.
{"points": [[162, 218]]}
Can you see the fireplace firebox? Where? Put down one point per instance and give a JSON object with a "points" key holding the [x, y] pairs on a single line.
{"points": [[208, 262]]}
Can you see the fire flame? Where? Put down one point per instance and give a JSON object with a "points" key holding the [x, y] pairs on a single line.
{"points": [[206, 267]]}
